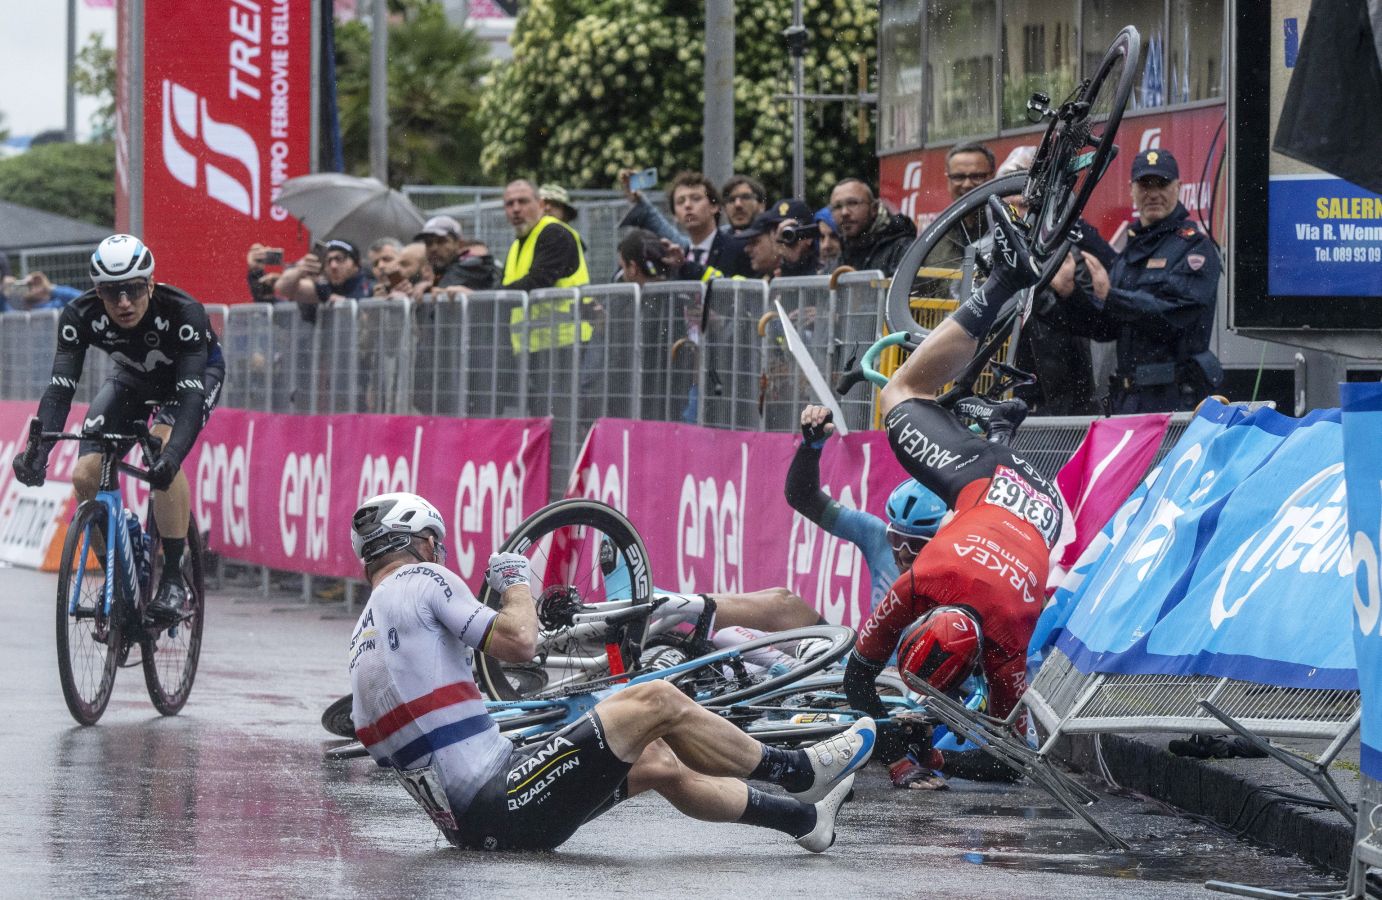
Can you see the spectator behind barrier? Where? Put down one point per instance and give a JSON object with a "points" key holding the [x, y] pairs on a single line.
{"points": [[829, 246], [382, 251], [400, 275], [546, 252], [967, 166], [458, 266], [782, 240], [872, 238], [696, 205], [744, 198], [34, 292], [313, 280], [556, 202], [261, 281]]}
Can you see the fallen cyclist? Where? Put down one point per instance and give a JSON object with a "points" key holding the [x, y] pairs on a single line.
{"points": [[419, 713], [987, 566]]}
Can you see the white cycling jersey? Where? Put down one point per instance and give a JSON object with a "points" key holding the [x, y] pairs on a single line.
{"points": [[416, 702]]}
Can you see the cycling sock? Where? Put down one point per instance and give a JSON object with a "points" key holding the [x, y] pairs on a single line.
{"points": [[790, 769], [977, 314], [781, 813], [172, 555]]}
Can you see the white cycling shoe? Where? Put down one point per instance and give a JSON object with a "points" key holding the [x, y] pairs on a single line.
{"points": [[835, 758], [819, 839]]}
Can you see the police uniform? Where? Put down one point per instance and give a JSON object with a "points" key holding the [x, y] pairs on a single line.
{"points": [[1160, 308]]}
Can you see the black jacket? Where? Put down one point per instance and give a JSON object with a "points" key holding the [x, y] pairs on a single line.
{"points": [[479, 273], [727, 254], [881, 246]]}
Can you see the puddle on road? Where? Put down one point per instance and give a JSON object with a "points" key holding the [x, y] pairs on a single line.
{"points": [[1017, 812], [1246, 866]]}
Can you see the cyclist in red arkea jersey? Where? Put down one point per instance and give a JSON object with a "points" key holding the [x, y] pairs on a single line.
{"points": [[990, 559]]}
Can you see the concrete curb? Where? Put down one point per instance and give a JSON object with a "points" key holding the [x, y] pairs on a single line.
{"points": [[1236, 793]]}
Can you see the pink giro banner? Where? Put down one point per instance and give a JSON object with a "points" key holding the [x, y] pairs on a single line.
{"points": [[1107, 466], [279, 490], [709, 504]]}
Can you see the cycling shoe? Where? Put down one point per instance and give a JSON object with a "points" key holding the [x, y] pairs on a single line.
{"points": [[838, 757]]}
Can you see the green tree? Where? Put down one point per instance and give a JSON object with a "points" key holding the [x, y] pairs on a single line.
{"points": [[95, 77], [4, 131], [76, 180], [434, 96], [596, 85]]}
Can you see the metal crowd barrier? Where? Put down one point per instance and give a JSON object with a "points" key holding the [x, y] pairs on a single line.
{"points": [[69, 264], [1367, 851]]}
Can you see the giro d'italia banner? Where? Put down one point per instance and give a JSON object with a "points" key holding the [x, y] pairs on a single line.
{"points": [[279, 490], [709, 505], [1363, 468], [1232, 560]]}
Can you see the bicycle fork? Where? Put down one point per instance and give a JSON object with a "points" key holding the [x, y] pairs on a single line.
{"points": [[119, 558]]}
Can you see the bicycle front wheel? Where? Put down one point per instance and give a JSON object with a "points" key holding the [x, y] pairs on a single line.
{"points": [[170, 657], [1082, 148], [593, 549], [743, 672], [88, 639]]}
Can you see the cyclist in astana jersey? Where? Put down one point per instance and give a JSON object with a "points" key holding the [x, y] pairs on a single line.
{"points": [[991, 559], [418, 711], [165, 355]]}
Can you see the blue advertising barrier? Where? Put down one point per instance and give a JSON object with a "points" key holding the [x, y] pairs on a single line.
{"points": [[1232, 563], [1363, 469]]}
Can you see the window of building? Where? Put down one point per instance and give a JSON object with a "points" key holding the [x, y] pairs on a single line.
{"points": [[962, 38], [1196, 51], [1103, 19], [900, 98], [1040, 53]]}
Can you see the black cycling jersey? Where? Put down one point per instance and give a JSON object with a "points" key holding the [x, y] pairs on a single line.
{"points": [[165, 357]]}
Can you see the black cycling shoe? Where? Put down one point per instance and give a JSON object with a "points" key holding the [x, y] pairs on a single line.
{"points": [[166, 607], [1012, 259], [1006, 416]]}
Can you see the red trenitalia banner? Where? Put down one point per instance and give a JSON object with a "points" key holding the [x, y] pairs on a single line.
{"points": [[709, 505], [279, 490], [226, 119]]}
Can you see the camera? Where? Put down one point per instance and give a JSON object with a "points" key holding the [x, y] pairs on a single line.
{"points": [[792, 234]]}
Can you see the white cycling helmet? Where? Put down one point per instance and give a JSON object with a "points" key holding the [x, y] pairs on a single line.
{"points": [[387, 523], [121, 257]]}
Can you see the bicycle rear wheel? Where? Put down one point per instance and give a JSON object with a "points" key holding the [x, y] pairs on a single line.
{"points": [[1080, 149], [743, 672], [594, 548], [88, 639], [170, 657]]}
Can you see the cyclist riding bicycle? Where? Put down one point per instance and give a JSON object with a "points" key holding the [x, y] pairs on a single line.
{"points": [[990, 560], [165, 355], [418, 711]]}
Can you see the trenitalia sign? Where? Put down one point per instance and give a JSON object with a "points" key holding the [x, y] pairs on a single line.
{"points": [[217, 112]]}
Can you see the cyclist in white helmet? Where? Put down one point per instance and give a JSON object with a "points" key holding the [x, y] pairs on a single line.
{"points": [[166, 356], [419, 712]]}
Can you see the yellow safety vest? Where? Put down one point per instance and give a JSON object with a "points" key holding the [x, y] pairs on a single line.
{"points": [[517, 265]]}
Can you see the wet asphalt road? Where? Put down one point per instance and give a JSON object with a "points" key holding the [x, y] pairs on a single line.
{"points": [[233, 799]]}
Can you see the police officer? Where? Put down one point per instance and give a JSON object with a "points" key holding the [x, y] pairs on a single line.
{"points": [[1158, 301]]}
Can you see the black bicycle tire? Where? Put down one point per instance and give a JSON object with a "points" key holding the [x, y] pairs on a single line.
{"points": [[336, 718], [898, 303], [170, 703], [1126, 45], [86, 713], [564, 513], [841, 642]]}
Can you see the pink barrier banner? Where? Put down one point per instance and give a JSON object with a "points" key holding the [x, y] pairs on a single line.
{"points": [[279, 490], [709, 504], [1106, 467]]}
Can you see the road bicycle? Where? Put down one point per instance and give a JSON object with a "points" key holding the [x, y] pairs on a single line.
{"points": [[717, 680], [953, 254], [109, 571]]}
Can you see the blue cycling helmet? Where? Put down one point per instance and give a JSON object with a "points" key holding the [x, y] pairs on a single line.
{"points": [[914, 510]]}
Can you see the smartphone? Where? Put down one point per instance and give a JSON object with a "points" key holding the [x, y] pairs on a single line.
{"points": [[643, 181], [319, 250], [273, 256]]}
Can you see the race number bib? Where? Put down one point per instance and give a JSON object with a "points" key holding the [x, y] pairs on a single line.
{"points": [[1012, 492], [426, 789]]}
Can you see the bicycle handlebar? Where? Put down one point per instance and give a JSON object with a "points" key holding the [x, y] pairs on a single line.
{"points": [[867, 369], [148, 444]]}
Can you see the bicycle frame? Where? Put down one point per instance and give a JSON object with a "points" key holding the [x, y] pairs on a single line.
{"points": [[121, 563]]}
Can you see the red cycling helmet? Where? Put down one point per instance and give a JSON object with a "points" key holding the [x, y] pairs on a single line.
{"points": [[939, 650]]}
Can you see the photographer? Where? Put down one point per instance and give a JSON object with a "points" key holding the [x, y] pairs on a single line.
{"points": [[784, 240]]}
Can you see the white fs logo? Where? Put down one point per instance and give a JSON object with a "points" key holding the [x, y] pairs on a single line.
{"points": [[183, 109]]}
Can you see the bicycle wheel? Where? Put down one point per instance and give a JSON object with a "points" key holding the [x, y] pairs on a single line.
{"points": [[741, 673], [170, 657], [593, 548], [88, 639], [934, 266], [336, 717], [1077, 150]]}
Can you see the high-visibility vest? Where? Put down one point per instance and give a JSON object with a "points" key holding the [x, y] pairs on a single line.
{"points": [[518, 264]]}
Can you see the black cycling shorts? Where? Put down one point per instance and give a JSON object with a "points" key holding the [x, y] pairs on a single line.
{"points": [[123, 400], [548, 792]]}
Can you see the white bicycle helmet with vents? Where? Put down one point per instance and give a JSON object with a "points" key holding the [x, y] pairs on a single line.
{"points": [[121, 257], [388, 522]]}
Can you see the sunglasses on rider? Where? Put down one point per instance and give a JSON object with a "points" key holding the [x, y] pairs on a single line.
{"points": [[910, 544], [112, 291]]}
